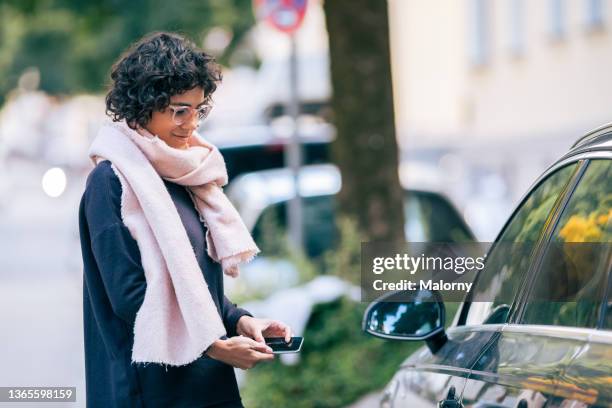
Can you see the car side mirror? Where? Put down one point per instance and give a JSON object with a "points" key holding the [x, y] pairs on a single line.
{"points": [[408, 315]]}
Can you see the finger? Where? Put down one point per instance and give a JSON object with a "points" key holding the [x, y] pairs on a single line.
{"points": [[258, 336], [288, 334], [264, 356], [262, 347], [275, 329], [283, 330]]}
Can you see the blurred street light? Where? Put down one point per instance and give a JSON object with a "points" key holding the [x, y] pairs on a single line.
{"points": [[54, 182]]}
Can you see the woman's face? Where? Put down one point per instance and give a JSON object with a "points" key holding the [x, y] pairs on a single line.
{"points": [[163, 125]]}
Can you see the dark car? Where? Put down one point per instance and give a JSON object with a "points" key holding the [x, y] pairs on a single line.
{"points": [[262, 198], [256, 148], [264, 195], [514, 350]]}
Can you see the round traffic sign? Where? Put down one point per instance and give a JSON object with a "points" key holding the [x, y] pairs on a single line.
{"points": [[285, 15]]}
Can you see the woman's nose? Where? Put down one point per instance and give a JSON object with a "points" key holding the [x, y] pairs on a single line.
{"points": [[191, 124]]}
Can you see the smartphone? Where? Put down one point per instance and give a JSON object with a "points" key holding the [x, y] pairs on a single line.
{"points": [[280, 346]]}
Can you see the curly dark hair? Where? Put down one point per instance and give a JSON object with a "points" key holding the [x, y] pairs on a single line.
{"points": [[152, 70]]}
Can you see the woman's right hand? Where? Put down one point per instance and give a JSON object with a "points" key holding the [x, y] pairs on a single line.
{"points": [[240, 351]]}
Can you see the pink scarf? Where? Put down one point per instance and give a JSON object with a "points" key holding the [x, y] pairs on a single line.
{"points": [[178, 319]]}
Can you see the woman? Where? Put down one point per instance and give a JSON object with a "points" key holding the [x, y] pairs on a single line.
{"points": [[156, 234]]}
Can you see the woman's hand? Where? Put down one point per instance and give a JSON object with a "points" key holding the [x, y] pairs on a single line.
{"points": [[240, 352], [257, 329]]}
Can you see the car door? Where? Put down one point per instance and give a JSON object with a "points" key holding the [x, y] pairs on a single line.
{"points": [[426, 378], [587, 382], [550, 353], [497, 289], [574, 281]]}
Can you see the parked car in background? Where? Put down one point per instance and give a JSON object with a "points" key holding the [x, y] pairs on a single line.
{"points": [[515, 350], [262, 197], [254, 148]]}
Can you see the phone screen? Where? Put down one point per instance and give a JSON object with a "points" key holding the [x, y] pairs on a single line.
{"points": [[279, 345]]}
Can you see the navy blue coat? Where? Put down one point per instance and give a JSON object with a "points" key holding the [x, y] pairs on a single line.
{"points": [[113, 289]]}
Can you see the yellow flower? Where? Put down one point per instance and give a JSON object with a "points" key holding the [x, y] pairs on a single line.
{"points": [[581, 229], [604, 218]]}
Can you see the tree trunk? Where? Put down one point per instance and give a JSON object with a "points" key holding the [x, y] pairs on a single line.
{"points": [[366, 147]]}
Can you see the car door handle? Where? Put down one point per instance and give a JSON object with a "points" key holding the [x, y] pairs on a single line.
{"points": [[451, 401]]}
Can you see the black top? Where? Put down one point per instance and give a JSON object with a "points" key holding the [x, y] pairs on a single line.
{"points": [[113, 290]]}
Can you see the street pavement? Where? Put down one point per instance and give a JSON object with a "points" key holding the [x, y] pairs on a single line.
{"points": [[41, 340]]}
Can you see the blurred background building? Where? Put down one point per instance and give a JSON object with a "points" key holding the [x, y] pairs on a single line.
{"points": [[489, 92]]}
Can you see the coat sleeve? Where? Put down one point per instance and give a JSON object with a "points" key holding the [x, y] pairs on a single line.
{"points": [[231, 314], [115, 251]]}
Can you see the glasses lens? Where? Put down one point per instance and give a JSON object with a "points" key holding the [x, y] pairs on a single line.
{"points": [[180, 115], [203, 111]]}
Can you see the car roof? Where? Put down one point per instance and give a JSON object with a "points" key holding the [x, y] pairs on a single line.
{"points": [[593, 143], [258, 135], [599, 138]]}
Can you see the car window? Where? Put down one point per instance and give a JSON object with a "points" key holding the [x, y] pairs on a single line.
{"points": [[429, 218], [270, 230], [320, 232], [497, 283], [320, 229], [569, 287]]}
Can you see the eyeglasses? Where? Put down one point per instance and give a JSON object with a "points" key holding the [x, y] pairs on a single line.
{"points": [[182, 114]]}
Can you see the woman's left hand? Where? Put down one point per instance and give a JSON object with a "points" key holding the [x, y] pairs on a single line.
{"points": [[257, 329]]}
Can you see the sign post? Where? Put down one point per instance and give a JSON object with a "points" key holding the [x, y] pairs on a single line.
{"points": [[287, 16]]}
